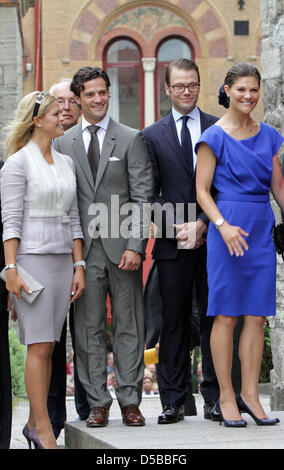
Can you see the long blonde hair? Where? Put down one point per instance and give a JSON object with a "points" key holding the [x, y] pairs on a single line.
{"points": [[20, 130]]}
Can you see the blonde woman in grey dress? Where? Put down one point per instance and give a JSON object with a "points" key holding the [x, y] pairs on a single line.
{"points": [[42, 233]]}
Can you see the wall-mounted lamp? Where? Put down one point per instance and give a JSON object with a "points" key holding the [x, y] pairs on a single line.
{"points": [[29, 67]]}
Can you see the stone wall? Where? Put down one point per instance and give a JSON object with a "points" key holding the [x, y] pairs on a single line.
{"points": [[10, 67], [272, 12]]}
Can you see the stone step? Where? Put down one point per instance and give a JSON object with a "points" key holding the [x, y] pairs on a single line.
{"points": [[192, 433]]}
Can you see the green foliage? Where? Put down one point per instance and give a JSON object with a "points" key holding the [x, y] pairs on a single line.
{"points": [[17, 359], [266, 364]]}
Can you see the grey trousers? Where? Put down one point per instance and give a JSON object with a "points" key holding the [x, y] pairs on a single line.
{"points": [[126, 293]]}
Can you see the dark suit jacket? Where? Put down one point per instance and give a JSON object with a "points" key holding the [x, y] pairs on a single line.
{"points": [[174, 183]]}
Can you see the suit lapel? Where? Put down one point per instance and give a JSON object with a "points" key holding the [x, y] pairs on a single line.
{"points": [[80, 152], [170, 134], [108, 145], [205, 121]]}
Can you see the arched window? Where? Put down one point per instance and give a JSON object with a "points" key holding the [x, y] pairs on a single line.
{"points": [[168, 51], [123, 65]]}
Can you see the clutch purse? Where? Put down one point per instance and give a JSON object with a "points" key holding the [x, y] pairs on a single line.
{"points": [[33, 285], [278, 238]]}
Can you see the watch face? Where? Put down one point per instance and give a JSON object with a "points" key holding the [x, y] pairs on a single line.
{"points": [[219, 222]]}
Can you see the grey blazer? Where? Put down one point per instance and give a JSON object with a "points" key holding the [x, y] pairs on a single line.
{"points": [[124, 176]]}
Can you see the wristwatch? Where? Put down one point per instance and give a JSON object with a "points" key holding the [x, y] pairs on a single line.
{"points": [[219, 223], [10, 266], [80, 263]]}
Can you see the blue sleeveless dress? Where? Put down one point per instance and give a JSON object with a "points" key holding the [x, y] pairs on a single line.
{"points": [[244, 285]]}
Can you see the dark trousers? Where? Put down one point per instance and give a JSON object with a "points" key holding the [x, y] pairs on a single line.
{"points": [[176, 279], [209, 388], [5, 384], [57, 392]]}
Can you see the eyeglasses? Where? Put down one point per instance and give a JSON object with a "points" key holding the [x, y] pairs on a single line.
{"points": [[38, 102], [180, 88], [62, 102]]}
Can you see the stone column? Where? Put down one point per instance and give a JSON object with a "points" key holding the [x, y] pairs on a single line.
{"points": [[149, 65], [10, 66], [272, 59]]}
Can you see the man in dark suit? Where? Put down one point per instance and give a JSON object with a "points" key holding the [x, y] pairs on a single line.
{"points": [[181, 258], [70, 114], [5, 371]]}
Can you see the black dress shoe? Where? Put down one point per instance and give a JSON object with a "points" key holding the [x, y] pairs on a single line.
{"points": [[171, 414], [207, 408], [215, 413]]}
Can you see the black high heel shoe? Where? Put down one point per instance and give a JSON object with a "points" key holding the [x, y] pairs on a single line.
{"points": [[235, 423], [26, 433], [243, 408]]}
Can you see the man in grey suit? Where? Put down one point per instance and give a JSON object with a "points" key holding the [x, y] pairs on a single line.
{"points": [[113, 171]]}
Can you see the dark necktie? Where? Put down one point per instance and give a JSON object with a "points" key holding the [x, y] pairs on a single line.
{"points": [[94, 150], [186, 143]]}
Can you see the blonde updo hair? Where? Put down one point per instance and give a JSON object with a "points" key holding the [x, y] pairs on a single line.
{"points": [[21, 128]]}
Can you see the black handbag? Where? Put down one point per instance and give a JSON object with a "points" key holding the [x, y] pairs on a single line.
{"points": [[278, 238]]}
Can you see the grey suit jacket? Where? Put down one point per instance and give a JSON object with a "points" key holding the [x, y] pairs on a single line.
{"points": [[124, 176]]}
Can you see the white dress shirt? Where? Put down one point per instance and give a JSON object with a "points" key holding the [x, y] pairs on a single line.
{"points": [[100, 132], [194, 126]]}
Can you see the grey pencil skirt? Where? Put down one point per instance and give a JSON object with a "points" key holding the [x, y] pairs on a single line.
{"points": [[43, 321]]}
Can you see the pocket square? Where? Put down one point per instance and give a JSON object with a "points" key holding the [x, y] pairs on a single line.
{"points": [[114, 159]]}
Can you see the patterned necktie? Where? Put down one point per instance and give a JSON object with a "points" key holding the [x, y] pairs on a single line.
{"points": [[186, 143], [94, 150]]}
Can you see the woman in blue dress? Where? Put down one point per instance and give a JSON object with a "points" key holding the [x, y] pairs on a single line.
{"points": [[239, 157]]}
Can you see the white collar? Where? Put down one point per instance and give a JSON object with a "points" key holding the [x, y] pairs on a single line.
{"points": [[194, 114], [103, 123]]}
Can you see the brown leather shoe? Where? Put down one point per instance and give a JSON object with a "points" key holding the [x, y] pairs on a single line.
{"points": [[132, 416], [98, 417]]}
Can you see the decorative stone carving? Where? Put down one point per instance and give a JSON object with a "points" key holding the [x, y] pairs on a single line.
{"points": [[148, 21]]}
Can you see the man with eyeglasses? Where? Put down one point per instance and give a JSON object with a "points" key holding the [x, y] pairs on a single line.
{"points": [[70, 111], [181, 260]]}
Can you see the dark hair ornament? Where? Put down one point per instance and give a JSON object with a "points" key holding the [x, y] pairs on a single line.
{"points": [[223, 99]]}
